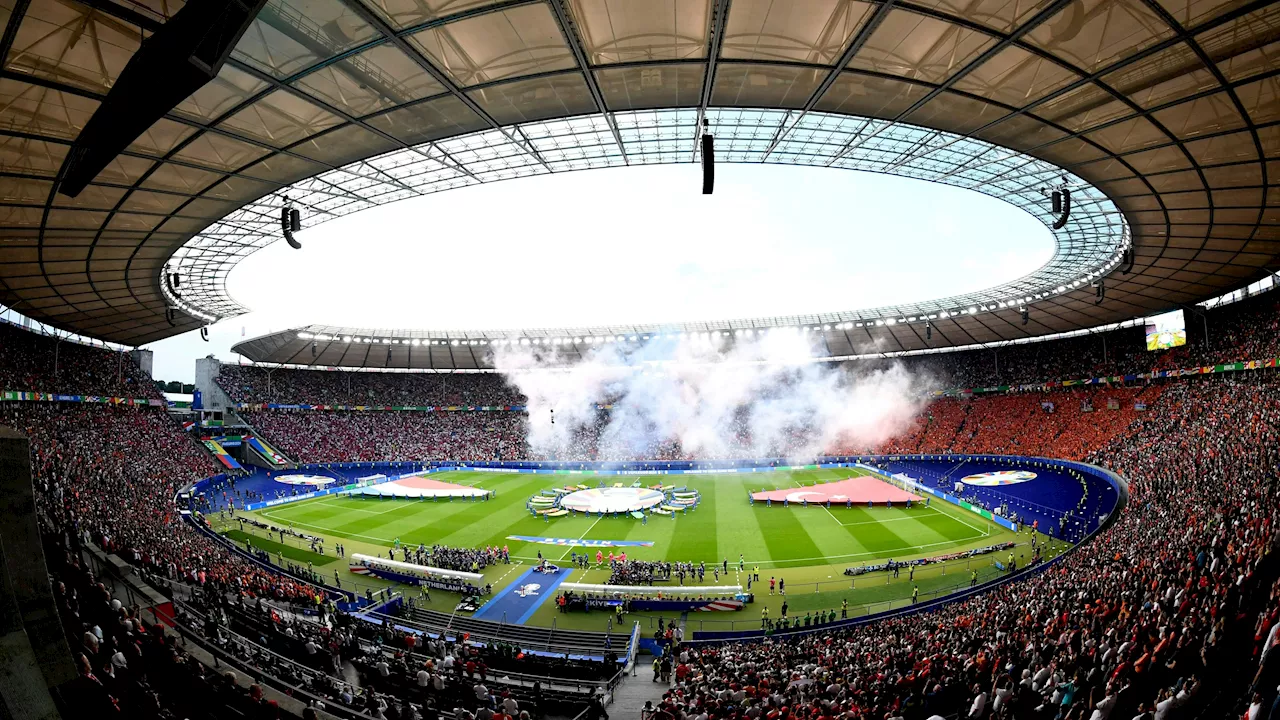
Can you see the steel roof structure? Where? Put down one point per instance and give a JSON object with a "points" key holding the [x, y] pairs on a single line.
{"points": [[1165, 111]]}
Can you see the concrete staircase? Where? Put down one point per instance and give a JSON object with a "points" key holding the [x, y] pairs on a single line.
{"points": [[630, 694]]}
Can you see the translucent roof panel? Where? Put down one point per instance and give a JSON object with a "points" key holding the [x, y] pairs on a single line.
{"points": [[290, 35], [920, 47], [498, 45], [1161, 116], [376, 79], [808, 31], [615, 31], [57, 42], [650, 86], [402, 14]]}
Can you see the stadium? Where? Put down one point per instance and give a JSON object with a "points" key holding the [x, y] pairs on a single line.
{"points": [[1050, 493]]}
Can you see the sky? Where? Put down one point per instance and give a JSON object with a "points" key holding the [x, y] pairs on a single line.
{"points": [[627, 245]]}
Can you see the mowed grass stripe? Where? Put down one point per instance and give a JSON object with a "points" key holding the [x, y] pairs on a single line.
{"points": [[697, 535], [472, 523], [724, 525], [739, 530], [784, 534]]}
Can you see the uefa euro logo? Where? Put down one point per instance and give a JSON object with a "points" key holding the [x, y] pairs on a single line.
{"points": [[528, 590]]}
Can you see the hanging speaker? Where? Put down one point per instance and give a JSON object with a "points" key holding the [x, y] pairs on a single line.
{"points": [[1057, 202], [204, 334], [1026, 315], [708, 163], [287, 221], [295, 220], [1066, 209]]}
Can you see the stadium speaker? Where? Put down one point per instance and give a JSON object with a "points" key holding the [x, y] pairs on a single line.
{"points": [[1101, 292], [708, 163], [1062, 205], [1026, 315], [168, 316], [1128, 262], [313, 349], [204, 333], [290, 222], [928, 331], [175, 61]]}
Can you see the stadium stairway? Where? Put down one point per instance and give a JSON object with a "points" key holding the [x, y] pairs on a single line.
{"points": [[263, 455], [220, 453], [638, 686]]}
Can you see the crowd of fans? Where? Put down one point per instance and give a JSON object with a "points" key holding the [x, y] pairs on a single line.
{"points": [[1156, 614], [109, 473], [1066, 424], [251, 384], [1247, 330], [370, 436], [128, 666], [1139, 622], [39, 363]]}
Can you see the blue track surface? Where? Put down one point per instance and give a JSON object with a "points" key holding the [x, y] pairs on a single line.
{"points": [[516, 607]]}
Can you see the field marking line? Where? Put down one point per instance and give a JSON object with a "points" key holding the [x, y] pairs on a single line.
{"points": [[985, 532], [508, 572], [833, 516], [330, 532], [584, 534], [326, 503]]}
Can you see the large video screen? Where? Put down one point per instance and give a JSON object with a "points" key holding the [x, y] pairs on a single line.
{"points": [[1166, 331]]}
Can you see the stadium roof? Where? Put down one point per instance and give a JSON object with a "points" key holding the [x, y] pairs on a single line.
{"points": [[1171, 109]]}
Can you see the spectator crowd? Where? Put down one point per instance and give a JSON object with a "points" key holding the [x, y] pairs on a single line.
{"points": [[1155, 618]]}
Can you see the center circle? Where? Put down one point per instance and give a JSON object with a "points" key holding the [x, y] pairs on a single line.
{"points": [[611, 500]]}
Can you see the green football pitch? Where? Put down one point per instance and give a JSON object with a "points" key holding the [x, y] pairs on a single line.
{"points": [[809, 547]]}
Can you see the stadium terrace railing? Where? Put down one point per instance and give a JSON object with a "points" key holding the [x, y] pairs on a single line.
{"points": [[530, 638], [245, 650]]}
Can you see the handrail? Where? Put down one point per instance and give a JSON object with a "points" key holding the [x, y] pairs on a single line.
{"points": [[567, 647], [295, 690], [475, 638]]}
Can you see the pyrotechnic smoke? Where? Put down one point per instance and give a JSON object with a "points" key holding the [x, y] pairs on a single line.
{"points": [[717, 397]]}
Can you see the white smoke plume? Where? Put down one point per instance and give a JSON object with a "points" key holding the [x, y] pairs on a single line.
{"points": [[708, 396]]}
